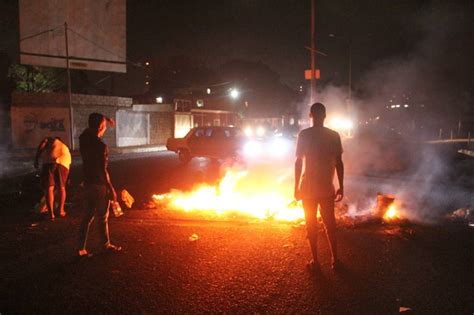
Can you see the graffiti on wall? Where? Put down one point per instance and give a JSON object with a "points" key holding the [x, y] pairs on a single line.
{"points": [[31, 125], [53, 124]]}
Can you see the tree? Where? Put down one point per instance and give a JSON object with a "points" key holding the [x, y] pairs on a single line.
{"points": [[35, 79]]}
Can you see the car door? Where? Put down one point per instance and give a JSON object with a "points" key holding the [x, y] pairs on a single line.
{"points": [[195, 142], [217, 143], [208, 145]]}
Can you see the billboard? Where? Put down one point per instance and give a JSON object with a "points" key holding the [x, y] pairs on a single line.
{"points": [[96, 34]]}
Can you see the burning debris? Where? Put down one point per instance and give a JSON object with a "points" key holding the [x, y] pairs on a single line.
{"points": [[194, 237], [385, 207], [236, 195], [263, 195]]}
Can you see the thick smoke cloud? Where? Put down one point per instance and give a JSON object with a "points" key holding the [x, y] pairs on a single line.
{"points": [[389, 153], [437, 73]]}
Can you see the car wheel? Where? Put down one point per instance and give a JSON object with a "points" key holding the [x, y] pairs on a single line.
{"points": [[184, 156]]}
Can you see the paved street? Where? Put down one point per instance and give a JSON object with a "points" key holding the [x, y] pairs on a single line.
{"points": [[233, 266]]}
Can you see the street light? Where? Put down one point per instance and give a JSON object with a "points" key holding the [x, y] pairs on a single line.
{"points": [[234, 93]]}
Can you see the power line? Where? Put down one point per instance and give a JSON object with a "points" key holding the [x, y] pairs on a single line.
{"points": [[137, 64], [134, 63], [40, 33]]}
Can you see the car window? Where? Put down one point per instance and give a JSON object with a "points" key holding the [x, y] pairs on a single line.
{"points": [[209, 132], [199, 133], [234, 132], [219, 134]]}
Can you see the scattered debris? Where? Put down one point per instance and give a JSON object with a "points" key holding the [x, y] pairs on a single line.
{"points": [[194, 237], [403, 309], [464, 215], [383, 204], [149, 205], [41, 206], [460, 213], [127, 199]]}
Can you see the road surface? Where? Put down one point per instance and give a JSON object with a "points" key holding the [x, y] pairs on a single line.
{"points": [[233, 266]]}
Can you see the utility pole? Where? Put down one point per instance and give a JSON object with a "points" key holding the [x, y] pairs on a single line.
{"points": [[350, 74], [313, 52], [69, 93]]}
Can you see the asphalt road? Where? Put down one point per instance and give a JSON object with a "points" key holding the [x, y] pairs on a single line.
{"points": [[233, 266]]}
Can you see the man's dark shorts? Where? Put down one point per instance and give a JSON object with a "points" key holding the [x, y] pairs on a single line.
{"points": [[54, 174]]}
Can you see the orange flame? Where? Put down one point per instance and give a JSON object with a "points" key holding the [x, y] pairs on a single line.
{"points": [[391, 214], [260, 194], [238, 193]]}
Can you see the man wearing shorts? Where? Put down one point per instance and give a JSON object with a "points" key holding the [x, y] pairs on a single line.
{"points": [[318, 157], [55, 170], [98, 186]]}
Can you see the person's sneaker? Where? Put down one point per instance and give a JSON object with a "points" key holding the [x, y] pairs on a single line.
{"points": [[112, 248], [83, 253]]}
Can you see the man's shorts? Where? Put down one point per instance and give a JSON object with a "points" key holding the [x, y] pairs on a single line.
{"points": [[54, 174]]}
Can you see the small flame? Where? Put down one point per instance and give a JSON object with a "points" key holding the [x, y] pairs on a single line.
{"points": [[391, 213]]}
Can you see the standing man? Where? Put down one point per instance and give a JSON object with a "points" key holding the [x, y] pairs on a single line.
{"points": [[98, 186], [319, 149], [56, 160]]}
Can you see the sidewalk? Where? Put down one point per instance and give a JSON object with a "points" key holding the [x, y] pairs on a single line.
{"points": [[15, 162]]}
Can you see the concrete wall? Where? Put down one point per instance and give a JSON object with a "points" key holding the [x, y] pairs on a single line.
{"points": [[83, 105], [161, 127], [161, 121], [33, 114]]}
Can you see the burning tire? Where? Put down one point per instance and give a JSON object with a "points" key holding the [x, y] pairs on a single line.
{"points": [[184, 155]]}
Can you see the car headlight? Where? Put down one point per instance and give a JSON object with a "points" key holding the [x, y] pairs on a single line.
{"points": [[260, 131], [279, 146], [252, 148], [248, 131]]}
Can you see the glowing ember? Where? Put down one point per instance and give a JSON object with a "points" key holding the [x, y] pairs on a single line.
{"points": [[391, 213], [241, 194]]}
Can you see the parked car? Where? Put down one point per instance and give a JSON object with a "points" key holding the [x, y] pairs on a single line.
{"points": [[213, 142]]}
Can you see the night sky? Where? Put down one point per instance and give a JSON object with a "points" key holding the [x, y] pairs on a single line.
{"points": [[276, 32], [426, 46]]}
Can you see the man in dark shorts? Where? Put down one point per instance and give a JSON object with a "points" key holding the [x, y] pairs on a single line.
{"points": [[98, 186], [320, 149], [56, 160]]}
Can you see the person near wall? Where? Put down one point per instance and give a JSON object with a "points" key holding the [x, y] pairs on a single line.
{"points": [[98, 185], [56, 161], [320, 149]]}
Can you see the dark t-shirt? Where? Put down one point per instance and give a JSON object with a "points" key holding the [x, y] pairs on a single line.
{"points": [[95, 156]]}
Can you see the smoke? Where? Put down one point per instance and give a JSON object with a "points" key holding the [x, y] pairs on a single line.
{"points": [[336, 100], [388, 153], [435, 74]]}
